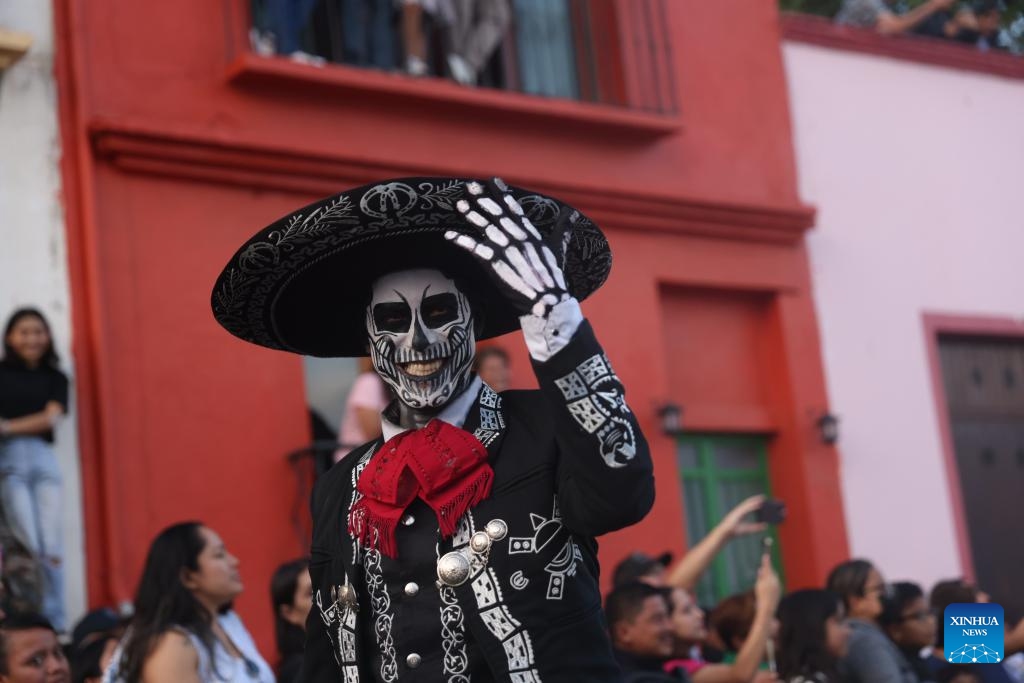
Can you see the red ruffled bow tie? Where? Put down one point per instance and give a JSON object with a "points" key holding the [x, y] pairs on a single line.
{"points": [[444, 466]]}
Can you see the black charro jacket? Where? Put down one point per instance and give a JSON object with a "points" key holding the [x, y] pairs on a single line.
{"points": [[570, 464]]}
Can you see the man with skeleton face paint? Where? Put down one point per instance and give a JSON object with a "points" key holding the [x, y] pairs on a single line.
{"points": [[460, 546], [422, 340]]}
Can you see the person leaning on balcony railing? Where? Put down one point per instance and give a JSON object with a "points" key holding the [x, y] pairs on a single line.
{"points": [[476, 32], [984, 32], [878, 14]]}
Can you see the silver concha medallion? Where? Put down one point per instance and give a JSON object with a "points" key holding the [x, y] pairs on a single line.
{"points": [[496, 529], [453, 569], [480, 542]]}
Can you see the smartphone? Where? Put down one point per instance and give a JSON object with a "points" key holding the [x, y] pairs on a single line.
{"points": [[771, 512]]}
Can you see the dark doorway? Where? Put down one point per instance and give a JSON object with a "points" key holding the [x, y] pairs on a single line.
{"points": [[984, 384]]}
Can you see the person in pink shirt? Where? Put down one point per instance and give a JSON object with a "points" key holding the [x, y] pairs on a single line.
{"points": [[361, 420]]}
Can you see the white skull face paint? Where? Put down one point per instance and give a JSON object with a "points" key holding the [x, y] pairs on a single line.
{"points": [[422, 341]]}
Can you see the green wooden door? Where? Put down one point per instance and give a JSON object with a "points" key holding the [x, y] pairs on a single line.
{"points": [[718, 472]]}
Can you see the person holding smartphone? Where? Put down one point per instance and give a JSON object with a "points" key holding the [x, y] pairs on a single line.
{"points": [[688, 630]]}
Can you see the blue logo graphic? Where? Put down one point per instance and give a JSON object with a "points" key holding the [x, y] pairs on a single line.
{"points": [[973, 633]]}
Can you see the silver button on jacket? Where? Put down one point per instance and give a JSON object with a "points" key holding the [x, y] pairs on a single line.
{"points": [[412, 589], [413, 660]]}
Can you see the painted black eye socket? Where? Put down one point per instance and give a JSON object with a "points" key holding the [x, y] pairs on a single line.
{"points": [[393, 316], [439, 309]]}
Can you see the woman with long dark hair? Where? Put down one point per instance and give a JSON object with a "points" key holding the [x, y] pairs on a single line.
{"points": [[812, 637], [33, 396], [184, 630], [291, 595]]}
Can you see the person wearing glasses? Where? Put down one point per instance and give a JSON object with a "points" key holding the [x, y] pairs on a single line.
{"points": [[871, 656], [910, 624], [184, 629]]}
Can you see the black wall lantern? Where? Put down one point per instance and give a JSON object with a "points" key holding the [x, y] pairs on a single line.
{"points": [[671, 416], [828, 428]]}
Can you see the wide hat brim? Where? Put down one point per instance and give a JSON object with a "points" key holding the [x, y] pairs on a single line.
{"points": [[302, 284]]}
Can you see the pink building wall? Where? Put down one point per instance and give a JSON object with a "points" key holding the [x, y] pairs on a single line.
{"points": [[915, 171]]}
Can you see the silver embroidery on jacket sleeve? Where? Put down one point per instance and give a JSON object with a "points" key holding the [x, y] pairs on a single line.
{"points": [[594, 398]]}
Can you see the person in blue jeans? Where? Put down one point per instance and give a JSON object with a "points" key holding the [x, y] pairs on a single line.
{"points": [[33, 396], [367, 29]]}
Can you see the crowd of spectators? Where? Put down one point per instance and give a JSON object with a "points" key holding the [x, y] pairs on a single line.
{"points": [[453, 38], [854, 628], [977, 23]]}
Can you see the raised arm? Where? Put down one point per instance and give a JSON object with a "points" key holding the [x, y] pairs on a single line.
{"points": [[767, 591], [890, 23], [688, 570], [605, 474]]}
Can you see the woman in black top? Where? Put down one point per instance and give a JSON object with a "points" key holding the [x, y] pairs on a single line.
{"points": [[33, 396], [291, 594]]}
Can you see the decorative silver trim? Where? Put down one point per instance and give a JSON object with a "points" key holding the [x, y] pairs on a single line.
{"points": [[595, 399]]}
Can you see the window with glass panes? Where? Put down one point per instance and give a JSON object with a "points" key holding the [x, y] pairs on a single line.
{"points": [[718, 472]]}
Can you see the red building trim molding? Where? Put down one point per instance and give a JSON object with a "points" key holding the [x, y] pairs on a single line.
{"points": [[184, 154], [445, 98], [936, 324], [804, 28]]}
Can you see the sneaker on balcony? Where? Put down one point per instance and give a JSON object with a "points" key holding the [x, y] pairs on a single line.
{"points": [[262, 43], [306, 58], [414, 66]]}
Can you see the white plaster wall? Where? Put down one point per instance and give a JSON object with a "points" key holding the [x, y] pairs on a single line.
{"points": [[33, 258], [916, 173]]}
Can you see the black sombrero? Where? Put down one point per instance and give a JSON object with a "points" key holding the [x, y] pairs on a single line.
{"points": [[302, 284]]}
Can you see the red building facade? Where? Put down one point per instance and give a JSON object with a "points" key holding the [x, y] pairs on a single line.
{"points": [[179, 142]]}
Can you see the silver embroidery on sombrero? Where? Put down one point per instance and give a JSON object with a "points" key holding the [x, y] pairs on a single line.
{"points": [[240, 300]]}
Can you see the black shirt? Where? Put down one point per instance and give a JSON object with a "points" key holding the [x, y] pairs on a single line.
{"points": [[647, 670], [26, 391]]}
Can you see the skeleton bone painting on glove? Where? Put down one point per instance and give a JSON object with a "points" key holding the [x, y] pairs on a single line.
{"points": [[460, 546]]}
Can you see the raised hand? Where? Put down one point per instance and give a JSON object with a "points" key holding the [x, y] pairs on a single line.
{"points": [[498, 233], [733, 522]]}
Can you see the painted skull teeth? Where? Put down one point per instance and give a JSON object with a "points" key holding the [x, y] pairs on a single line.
{"points": [[419, 369], [421, 335]]}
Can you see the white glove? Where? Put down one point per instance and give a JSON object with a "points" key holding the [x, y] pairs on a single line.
{"points": [[521, 262]]}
